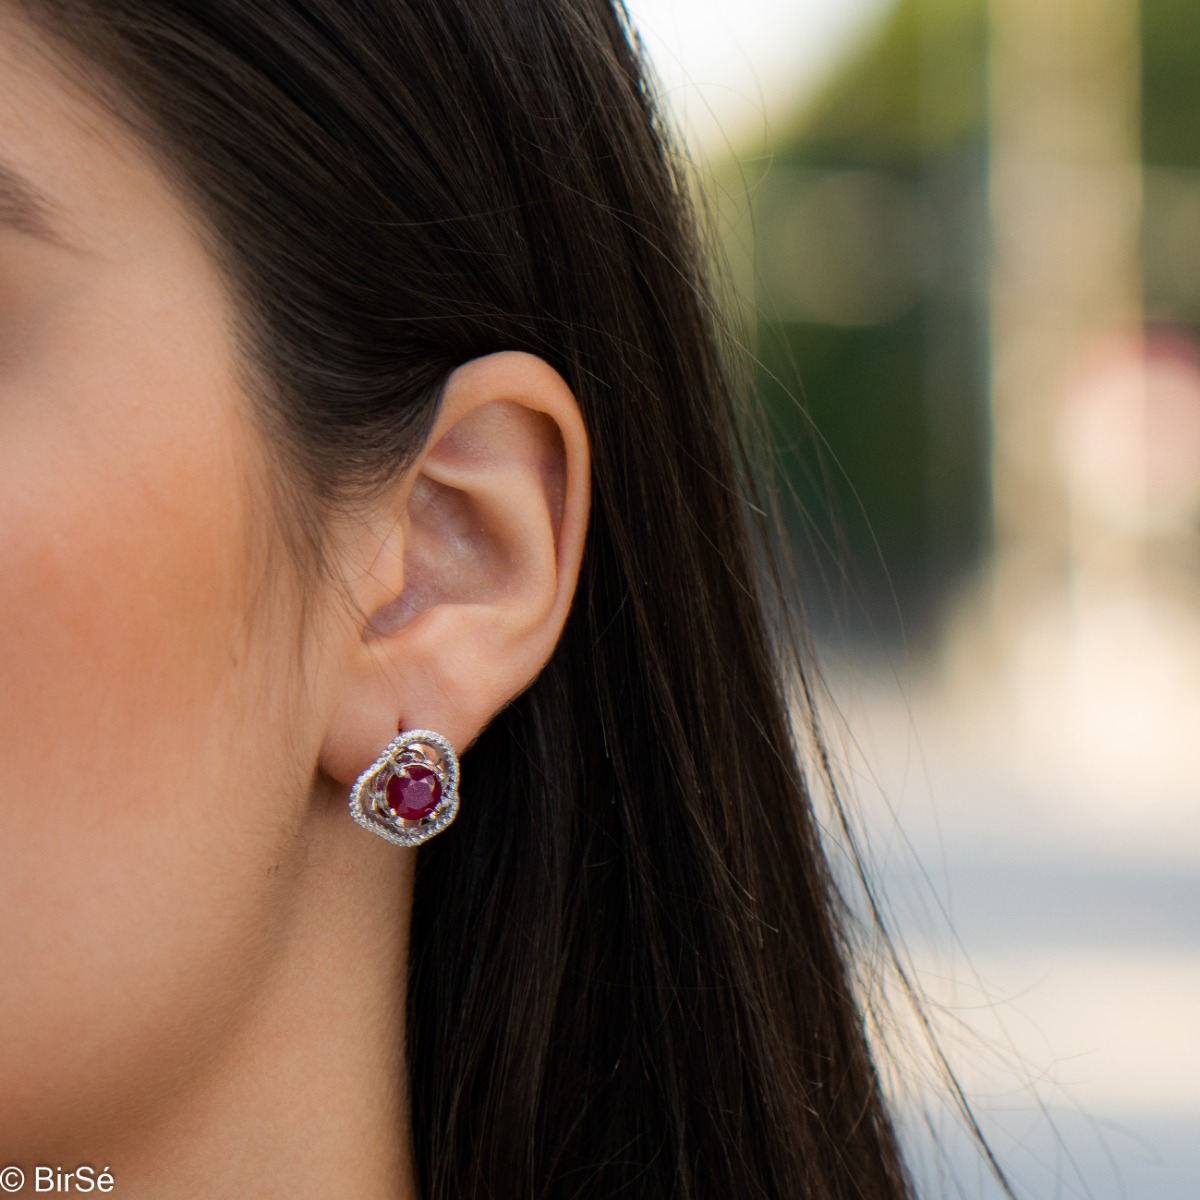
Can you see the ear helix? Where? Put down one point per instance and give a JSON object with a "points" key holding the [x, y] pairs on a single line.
{"points": [[410, 793]]}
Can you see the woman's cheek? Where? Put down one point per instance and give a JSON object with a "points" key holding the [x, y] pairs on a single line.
{"points": [[134, 674]]}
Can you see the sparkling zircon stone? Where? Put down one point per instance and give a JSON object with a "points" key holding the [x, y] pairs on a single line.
{"points": [[415, 794]]}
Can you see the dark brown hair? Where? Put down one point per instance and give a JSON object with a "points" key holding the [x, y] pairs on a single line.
{"points": [[629, 971]]}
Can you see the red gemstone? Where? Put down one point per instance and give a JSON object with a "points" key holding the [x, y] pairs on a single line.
{"points": [[415, 794]]}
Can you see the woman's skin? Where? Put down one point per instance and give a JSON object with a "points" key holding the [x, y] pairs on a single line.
{"points": [[203, 955]]}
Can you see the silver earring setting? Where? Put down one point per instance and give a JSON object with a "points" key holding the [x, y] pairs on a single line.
{"points": [[410, 793]]}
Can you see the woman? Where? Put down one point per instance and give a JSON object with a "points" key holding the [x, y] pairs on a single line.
{"points": [[357, 378]]}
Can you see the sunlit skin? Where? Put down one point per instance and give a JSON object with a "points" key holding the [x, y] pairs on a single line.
{"points": [[202, 955]]}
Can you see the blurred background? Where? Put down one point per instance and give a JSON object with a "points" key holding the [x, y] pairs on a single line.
{"points": [[964, 236]]}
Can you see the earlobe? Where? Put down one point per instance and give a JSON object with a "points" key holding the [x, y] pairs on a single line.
{"points": [[469, 590]]}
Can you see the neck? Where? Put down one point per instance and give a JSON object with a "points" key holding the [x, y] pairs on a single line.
{"points": [[308, 1095]]}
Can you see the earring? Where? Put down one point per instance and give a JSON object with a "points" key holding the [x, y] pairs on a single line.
{"points": [[410, 792]]}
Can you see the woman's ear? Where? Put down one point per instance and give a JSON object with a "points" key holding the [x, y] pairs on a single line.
{"points": [[463, 574]]}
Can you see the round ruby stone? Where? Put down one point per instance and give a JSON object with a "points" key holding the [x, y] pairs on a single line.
{"points": [[415, 794]]}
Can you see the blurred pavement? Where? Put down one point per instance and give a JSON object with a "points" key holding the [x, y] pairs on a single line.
{"points": [[1053, 922]]}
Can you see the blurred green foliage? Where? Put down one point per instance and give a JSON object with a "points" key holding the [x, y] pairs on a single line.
{"points": [[881, 404], [1170, 83]]}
